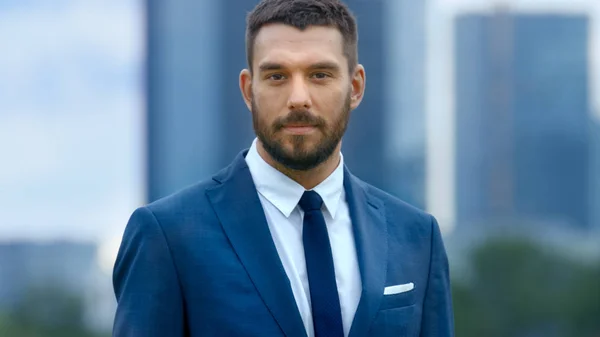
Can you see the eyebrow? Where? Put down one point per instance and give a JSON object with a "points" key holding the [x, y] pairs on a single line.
{"points": [[269, 66], [325, 66]]}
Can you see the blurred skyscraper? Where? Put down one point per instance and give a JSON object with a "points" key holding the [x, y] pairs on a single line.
{"points": [[595, 177], [184, 76], [27, 266], [523, 118], [197, 121], [404, 97]]}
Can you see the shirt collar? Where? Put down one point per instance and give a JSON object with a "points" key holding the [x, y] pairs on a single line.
{"points": [[284, 193]]}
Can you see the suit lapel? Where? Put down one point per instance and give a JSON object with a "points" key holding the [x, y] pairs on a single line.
{"points": [[370, 232], [238, 207]]}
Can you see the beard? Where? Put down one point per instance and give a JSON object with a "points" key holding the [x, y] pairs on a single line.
{"points": [[301, 156]]}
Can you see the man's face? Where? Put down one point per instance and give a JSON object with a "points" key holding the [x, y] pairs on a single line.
{"points": [[300, 93]]}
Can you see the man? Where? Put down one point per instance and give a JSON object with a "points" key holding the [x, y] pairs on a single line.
{"points": [[286, 241]]}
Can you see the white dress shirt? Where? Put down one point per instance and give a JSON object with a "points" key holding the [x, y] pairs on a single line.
{"points": [[279, 196]]}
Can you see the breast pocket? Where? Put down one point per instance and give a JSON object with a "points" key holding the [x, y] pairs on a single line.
{"points": [[397, 322], [400, 300]]}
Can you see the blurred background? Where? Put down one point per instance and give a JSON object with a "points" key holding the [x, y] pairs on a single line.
{"points": [[485, 113]]}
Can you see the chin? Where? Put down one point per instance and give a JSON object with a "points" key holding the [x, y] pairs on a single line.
{"points": [[301, 143]]}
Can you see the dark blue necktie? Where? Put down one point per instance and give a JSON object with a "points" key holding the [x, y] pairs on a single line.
{"points": [[327, 315]]}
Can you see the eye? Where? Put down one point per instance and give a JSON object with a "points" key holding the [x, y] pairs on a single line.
{"points": [[276, 77], [320, 76]]}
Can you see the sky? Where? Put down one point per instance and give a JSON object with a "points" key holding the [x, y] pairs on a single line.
{"points": [[71, 112]]}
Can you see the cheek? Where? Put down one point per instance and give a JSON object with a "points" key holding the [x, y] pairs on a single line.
{"points": [[269, 103], [329, 103]]}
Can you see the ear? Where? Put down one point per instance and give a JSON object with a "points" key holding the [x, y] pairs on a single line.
{"points": [[246, 87], [358, 86]]}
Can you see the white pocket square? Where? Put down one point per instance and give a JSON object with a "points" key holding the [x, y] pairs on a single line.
{"points": [[397, 289]]}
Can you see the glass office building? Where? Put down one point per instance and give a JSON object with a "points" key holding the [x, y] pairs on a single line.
{"points": [[523, 120], [197, 121]]}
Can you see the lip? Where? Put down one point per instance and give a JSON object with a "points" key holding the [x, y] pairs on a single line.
{"points": [[299, 129]]}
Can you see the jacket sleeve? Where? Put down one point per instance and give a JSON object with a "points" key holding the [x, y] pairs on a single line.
{"points": [[146, 285], [438, 317]]}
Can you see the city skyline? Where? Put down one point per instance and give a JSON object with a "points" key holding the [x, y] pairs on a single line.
{"points": [[440, 90], [84, 184]]}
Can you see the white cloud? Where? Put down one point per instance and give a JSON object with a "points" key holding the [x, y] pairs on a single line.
{"points": [[70, 118], [46, 217], [28, 150], [66, 47], [63, 174], [106, 29]]}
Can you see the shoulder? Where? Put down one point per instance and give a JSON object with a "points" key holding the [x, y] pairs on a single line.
{"points": [[399, 213], [395, 205], [190, 207], [191, 196], [187, 200]]}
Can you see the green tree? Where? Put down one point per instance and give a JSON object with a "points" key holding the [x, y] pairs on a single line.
{"points": [[46, 312], [518, 289]]}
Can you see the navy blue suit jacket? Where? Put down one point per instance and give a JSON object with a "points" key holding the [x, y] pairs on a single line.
{"points": [[202, 262]]}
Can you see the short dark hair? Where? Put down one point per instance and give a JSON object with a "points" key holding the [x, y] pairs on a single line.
{"points": [[302, 14]]}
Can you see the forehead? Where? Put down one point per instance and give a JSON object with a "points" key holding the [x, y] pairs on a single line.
{"points": [[280, 43]]}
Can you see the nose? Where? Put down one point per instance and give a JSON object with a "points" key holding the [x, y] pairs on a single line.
{"points": [[299, 97]]}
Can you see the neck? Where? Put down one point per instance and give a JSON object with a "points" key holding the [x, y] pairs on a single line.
{"points": [[309, 179]]}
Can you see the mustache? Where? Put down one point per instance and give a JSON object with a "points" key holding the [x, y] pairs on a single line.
{"points": [[299, 117]]}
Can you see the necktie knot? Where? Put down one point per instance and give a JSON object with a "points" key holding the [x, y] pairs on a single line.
{"points": [[311, 201]]}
